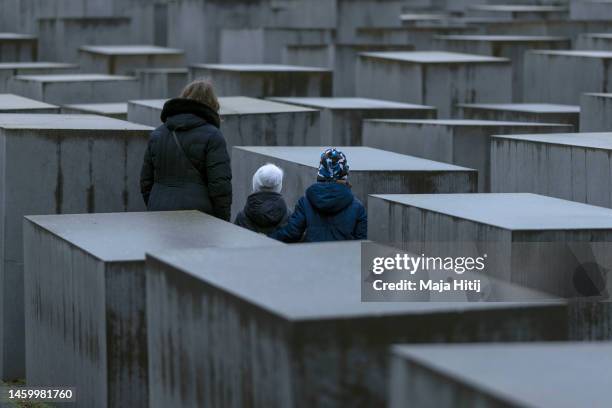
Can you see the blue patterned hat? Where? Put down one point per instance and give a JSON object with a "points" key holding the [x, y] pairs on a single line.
{"points": [[333, 166]]}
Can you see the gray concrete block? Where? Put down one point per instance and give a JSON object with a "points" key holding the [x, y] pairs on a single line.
{"points": [[594, 41], [265, 45], [69, 164], [416, 19], [85, 291], [264, 80], [247, 342], [595, 112], [516, 230], [461, 142], [342, 118], [248, 121], [420, 37], [436, 78], [512, 47], [10, 103], [60, 38], [557, 27], [546, 70], [372, 171], [111, 110], [590, 10], [563, 375], [162, 83], [519, 11], [523, 112], [572, 166], [341, 58], [75, 88], [17, 47], [11, 69], [125, 59]]}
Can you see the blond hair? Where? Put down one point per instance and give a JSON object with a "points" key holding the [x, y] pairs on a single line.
{"points": [[201, 90]]}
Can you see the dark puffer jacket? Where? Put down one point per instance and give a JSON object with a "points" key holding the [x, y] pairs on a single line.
{"points": [[264, 212], [168, 181], [328, 212]]}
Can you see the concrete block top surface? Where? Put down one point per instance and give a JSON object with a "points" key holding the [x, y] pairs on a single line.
{"points": [[606, 36], [163, 70], [525, 107], [598, 95], [575, 53], [36, 65], [16, 37], [432, 57], [259, 68], [75, 78], [511, 211], [518, 8], [350, 103], [12, 102], [260, 277], [359, 158], [467, 122], [601, 141], [101, 108], [560, 375], [117, 237], [237, 105], [66, 122], [422, 17], [130, 50], [502, 38]]}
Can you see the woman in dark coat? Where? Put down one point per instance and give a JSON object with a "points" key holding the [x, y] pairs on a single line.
{"points": [[186, 165], [265, 210], [328, 211]]}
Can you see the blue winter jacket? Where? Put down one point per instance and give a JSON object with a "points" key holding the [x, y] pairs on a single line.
{"points": [[328, 212]]}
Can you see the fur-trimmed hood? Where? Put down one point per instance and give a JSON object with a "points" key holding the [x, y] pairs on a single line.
{"points": [[181, 106]]}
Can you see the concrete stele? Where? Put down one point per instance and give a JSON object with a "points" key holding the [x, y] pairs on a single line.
{"points": [[70, 164], [76, 88], [304, 347], [125, 59], [111, 110], [10, 103], [105, 291], [342, 118], [436, 78], [571, 166], [457, 141], [523, 112], [371, 171], [561, 375], [266, 80]]}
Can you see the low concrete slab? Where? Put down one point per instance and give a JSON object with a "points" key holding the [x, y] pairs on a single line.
{"points": [[75, 88], [523, 112], [70, 164], [212, 304], [436, 78], [342, 118], [11, 69], [10, 103], [248, 121], [518, 232], [572, 166], [125, 59], [85, 287], [372, 171], [490, 375], [111, 110], [461, 142]]}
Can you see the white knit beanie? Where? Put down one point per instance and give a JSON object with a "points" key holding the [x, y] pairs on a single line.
{"points": [[268, 178]]}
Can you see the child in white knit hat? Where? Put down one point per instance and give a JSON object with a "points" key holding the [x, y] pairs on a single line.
{"points": [[265, 210]]}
